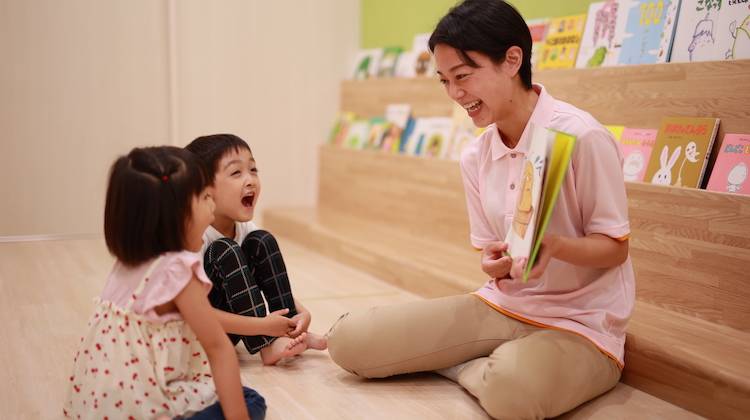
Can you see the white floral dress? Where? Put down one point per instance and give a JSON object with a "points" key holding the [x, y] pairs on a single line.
{"points": [[130, 367]]}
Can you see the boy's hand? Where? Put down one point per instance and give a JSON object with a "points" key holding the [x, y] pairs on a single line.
{"points": [[303, 323], [277, 325], [494, 263]]}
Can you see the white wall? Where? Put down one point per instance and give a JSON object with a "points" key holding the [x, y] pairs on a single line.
{"points": [[83, 81]]}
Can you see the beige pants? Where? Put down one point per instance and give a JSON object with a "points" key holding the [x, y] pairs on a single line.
{"points": [[516, 370]]}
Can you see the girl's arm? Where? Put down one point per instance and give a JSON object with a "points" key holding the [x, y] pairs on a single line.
{"points": [[198, 313], [595, 250], [275, 324]]}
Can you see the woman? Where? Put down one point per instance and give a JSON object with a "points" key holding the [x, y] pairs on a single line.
{"points": [[525, 350]]}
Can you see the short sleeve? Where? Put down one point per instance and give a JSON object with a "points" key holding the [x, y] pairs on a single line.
{"points": [[171, 276], [600, 186], [481, 233]]}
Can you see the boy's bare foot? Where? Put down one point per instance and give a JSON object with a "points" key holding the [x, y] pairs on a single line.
{"points": [[316, 342], [283, 347]]}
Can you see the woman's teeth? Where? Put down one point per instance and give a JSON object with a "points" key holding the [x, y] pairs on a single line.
{"points": [[472, 106]]}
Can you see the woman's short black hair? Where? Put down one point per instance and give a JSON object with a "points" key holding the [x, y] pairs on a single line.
{"points": [[489, 27], [149, 200], [210, 149]]}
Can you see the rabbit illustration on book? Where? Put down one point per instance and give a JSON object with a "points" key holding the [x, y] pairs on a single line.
{"points": [[664, 175]]}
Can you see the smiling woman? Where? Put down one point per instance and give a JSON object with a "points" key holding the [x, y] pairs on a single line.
{"points": [[525, 350]]}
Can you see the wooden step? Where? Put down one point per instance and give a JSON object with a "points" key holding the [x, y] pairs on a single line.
{"points": [[701, 366]]}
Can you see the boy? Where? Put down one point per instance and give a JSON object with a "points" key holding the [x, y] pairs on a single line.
{"points": [[243, 261]]}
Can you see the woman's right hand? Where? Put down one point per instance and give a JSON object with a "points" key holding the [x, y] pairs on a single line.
{"points": [[277, 325], [494, 263]]}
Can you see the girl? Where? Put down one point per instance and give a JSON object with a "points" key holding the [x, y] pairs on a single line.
{"points": [[154, 347], [525, 350]]}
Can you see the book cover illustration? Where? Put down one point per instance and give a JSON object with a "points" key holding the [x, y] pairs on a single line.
{"points": [[423, 63], [562, 42], [602, 35], [398, 116], [437, 135], [649, 31], [730, 171], [636, 145], [378, 128], [616, 131], [538, 29], [388, 61], [681, 151], [540, 179], [357, 134], [710, 30], [367, 63]]}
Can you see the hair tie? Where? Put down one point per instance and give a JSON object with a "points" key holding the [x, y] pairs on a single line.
{"points": [[164, 178]]}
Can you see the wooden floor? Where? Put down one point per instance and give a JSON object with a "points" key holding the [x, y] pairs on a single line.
{"points": [[45, 300]]}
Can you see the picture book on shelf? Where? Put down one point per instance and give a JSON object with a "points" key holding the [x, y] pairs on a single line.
{"points": [[464, 131], [636, 145], [398, 116], [378, 128], [541, 177], [711, 30], [649, 31], [561, 43], [366, 64], [602, 35], [340, 128], [423, 63], [681, 151], [357, 134], [388, 61], [538, 29], [732, 165]]}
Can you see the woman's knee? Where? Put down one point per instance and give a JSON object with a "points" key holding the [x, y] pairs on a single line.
{"points": [[345, 346]]}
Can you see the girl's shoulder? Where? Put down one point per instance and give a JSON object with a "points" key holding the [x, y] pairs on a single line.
{"points": [[174, 270]]}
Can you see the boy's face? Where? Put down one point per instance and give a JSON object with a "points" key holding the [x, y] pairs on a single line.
{"points": [[236, 187]]}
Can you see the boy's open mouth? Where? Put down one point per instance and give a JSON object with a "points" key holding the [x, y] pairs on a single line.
{"points": [[248, 200]]}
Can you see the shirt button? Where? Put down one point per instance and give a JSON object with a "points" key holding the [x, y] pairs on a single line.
{"points": [[513, 155], [512, 186]]}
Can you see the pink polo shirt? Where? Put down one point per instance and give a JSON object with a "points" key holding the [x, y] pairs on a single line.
{"points": [[595, 303]]}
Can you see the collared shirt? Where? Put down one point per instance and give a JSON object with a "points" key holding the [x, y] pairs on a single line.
{"points": [[592, 302]]}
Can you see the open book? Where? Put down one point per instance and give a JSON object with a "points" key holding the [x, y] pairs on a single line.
{"points": [[541, 177]]}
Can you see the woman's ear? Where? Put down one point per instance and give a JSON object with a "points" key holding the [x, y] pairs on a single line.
{"points": [[513, 60]]}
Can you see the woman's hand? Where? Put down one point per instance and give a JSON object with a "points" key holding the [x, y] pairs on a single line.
{"points": [[546, 252], [277, 325], [494, 263], [302, 319]]}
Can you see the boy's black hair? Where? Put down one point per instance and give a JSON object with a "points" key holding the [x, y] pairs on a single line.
{"points": [[210, 149], [149, 201], [489, 27]]}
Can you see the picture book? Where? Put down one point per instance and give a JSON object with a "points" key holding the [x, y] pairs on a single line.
{"points": [[378, 127], [710, 30], [681, 151], [649, 31], [424, 66], [540, 180], [603, 34], [636, 145], [437, 136], [357, 134], [562, 42], [388, 61], [464, 131], [538, 29], [398, 116], [732, 165], [406, 64], [366, 64], [340, 128]]}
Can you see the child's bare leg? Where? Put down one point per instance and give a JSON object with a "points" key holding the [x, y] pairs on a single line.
{"points": [[283, 347], [316, 341]]}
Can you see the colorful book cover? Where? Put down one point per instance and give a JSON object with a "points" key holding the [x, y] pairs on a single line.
{"points": [[710, 30], [649, 31], [437, 136], [424, 66], [538, 29], [602, 37], [681, 151], [541, 177], [636, 145], [405, 66], [388, 61], [340, 128], [731, 166], [397, 115], [357, 134], [378, 127], [366, 64], [616, 130], [464, 132], [562, 42]]}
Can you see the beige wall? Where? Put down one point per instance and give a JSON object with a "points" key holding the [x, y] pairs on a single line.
{"points": [[83, 81]]}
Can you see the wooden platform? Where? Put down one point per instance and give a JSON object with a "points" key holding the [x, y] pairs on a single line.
{"points": [[46, 301], [403, 219]]}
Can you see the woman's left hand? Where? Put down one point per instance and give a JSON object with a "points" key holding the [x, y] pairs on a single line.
{"points": [[546, 252], [303, 323]]}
